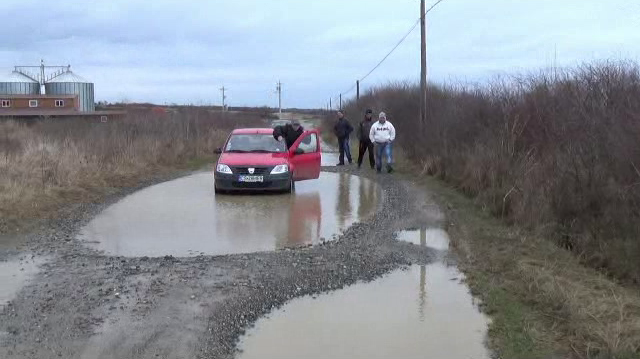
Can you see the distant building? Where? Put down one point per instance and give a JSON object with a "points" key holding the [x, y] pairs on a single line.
{"points": [[60, 93]]}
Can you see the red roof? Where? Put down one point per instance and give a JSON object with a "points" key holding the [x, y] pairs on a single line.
{"points": [[246, 131]]}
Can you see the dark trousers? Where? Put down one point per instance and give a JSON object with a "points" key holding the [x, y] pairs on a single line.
{"points": [[343, 145], [364, 146]]}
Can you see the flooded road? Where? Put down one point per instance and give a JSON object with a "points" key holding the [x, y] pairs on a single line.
{"points": [[200, 307], [422, 312], [184, 217], [14, 274], [434, 238]]}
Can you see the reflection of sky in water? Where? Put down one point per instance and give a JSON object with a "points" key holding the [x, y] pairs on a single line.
{"points": [[415, 313], [435, 238], [184, 217], [14, 274]]}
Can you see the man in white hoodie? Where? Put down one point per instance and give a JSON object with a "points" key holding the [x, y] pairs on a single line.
{"points": [[382, 134]]}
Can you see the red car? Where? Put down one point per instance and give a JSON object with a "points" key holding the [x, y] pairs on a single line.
{"points": [[252, 159]]}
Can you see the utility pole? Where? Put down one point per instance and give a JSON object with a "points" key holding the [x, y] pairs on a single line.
{"points": [[279, 90], [224, 108], [330, 106], [423, 65], [357, 92], [42, 72], [340, 103]]}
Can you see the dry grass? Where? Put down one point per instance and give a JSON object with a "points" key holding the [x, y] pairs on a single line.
{"points": [[542, 300], [603, 317], [49, 163], [552, 152], [553, 162]]}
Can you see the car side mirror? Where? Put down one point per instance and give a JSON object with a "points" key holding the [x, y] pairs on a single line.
{"points": [[217, 151], [298, 151]]}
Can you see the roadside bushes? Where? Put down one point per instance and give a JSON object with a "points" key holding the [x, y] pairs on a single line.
{"points": [[47, 162], [556, 152]]}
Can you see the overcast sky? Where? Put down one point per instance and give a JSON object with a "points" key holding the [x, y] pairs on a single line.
{"points": [[184, 51]]}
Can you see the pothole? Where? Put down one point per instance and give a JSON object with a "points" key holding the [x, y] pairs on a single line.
{"points": [[184, 217], [14, 274], [424, 311]]}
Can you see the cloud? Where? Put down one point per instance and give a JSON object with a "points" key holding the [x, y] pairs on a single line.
{"points": [[183, 51]]}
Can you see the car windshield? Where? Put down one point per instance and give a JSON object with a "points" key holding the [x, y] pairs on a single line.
{"points": [[254, 143]]}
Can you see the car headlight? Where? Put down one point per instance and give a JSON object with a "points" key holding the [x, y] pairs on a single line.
{"points": [[279, 169], [222, 168]]}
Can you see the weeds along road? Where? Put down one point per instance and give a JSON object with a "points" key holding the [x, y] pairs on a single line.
{"points": [[89, 304]]}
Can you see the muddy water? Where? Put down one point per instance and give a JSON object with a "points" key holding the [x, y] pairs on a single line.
{"points": [[329, 158], [14, 274], [435, 238], [422, 312], [184, 217]]}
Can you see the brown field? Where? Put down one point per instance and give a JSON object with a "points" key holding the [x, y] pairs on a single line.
{"points": [[47, 164]]}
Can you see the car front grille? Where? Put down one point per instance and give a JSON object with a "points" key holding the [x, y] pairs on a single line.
{"points": [[256, 171]]}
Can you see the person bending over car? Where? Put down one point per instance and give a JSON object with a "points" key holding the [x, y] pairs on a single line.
{"points": [[289, 133]]}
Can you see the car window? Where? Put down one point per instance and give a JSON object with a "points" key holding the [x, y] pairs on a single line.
{"points": [[254, 143], [309, 144]]}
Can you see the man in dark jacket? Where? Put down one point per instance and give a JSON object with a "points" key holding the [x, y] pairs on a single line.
{"points": [[365, 142], [289, 132], [342, 129]]}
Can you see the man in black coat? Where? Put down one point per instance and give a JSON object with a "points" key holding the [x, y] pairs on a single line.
{"points": [[342, 129], [365, 142], [289, 132]]}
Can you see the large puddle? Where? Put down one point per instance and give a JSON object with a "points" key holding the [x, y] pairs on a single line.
{"points": [[434, 238], [184, 217], [422, 312], [14, 274]]}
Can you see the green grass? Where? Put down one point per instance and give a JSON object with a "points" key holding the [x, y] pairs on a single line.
{"points": [[516, 330], [200, 162], [511, 323]]}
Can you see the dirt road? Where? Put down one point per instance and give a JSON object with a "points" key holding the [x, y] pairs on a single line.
{"points": [[87, 304]]}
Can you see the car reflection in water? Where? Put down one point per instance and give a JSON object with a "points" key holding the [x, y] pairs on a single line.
{"points": [[305, 221], [184, 217], [314, 213]]}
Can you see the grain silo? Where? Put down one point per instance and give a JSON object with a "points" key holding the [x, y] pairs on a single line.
{"points": [[18, 84], [68, 83]]}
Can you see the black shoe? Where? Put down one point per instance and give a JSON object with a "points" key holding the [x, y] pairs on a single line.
{"points": [[378, 170], [350, 161], [359, 165], [340, 164], [389, 169]]}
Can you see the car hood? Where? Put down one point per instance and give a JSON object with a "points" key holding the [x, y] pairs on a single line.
{"points": [[253, 159]]}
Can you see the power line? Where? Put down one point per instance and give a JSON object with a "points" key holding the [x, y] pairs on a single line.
{"points": [[394, 48]]}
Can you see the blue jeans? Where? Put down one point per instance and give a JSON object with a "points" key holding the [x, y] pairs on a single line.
{"points": [[383, 148]]}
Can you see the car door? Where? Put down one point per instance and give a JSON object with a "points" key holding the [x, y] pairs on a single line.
{"points": [[304, 156]]}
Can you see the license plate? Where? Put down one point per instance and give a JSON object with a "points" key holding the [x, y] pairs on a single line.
{"points": [[251, 179]]}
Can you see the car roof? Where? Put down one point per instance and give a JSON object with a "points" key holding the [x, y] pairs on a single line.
{"points": [[249, 131]]}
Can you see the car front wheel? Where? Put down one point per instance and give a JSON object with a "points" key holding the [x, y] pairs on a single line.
{"points": [[292, 186]]}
